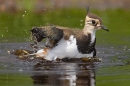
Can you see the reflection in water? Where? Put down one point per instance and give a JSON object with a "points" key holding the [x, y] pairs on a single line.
{"points": [[64, 74], [14, 72]]}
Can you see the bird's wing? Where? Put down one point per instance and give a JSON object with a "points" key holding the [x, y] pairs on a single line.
{"points": [[56, 33], [52, 33]]}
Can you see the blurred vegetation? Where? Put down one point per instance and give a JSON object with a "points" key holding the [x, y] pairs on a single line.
{"points": [[15, 27]]}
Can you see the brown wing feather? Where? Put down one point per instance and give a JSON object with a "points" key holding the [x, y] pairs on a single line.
{"points": [[53, 33]]}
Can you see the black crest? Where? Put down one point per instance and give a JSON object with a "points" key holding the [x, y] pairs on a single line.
{"points": [[87, 8], [91, 15]]}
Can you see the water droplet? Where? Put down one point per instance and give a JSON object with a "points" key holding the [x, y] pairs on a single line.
{"points": [[5, 66], [26, 31], [98, 52], [2, 35], [81, 20], [112, 47], [81, 24], [125, 47], [25, 11], [23, 15], [44, 9], [20, 70]]}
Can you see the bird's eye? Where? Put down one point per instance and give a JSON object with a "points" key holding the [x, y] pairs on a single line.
{"points": [[93, 22]]}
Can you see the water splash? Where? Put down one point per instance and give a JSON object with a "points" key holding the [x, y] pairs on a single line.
{"points": [[44, 9], [20, 70], [81, 24], [2, 35], [23, 15], [81, 20]]}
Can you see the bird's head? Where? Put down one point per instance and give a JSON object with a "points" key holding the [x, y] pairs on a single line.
{"points": [[93, 22]]}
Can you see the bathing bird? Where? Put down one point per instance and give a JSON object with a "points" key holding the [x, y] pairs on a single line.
{"points": [[62, 42]]}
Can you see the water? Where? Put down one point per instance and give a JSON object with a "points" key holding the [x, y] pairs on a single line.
{"points": [[43, 73], [16, 72]]}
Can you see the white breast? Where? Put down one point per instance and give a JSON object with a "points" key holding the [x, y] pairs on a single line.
{"points": [[93, 37], [66, 48]]}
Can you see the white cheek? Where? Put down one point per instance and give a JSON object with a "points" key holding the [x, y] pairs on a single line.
{"points": [[98, 27], [89, 22]]}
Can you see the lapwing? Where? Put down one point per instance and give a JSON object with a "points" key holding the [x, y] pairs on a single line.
{"points": [[67, 42]]}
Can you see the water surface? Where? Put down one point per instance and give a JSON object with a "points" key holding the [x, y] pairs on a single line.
{"points": [[113, 68]]}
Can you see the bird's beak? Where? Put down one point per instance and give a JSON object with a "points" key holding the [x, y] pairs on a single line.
{"points": [[103, 27]]}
